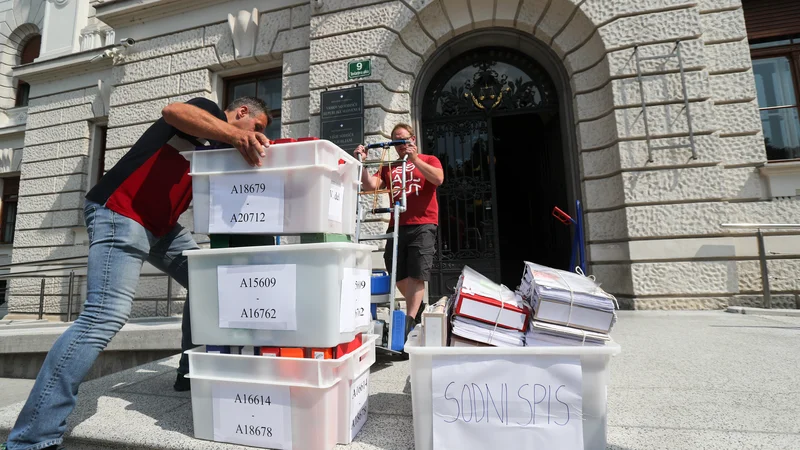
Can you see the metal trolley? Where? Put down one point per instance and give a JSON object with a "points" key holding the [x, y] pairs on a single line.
{"points": [[393, 332]]}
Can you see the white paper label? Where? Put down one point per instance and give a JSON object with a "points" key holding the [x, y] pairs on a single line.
{"points": [[336, 204], [252, 414], [512, 402], [246, 203], [355, 303], [262, 297], [359, 403]]}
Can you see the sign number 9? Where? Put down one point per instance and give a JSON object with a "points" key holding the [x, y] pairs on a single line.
{"points": [[359, 66]]}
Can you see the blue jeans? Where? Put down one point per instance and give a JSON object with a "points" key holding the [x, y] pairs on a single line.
{"points": [[118, 248]]}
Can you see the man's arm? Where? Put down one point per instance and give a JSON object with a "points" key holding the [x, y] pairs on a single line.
{"points": [[200, 123], [432, 174]]}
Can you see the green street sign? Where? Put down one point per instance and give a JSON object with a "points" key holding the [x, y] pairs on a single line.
{"points": [[359, 69]]}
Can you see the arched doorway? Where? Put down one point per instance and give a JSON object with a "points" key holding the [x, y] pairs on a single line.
{"points": [[491, 115]]}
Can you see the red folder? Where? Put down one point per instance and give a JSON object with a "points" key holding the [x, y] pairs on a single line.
{"points": [[491, 311]]}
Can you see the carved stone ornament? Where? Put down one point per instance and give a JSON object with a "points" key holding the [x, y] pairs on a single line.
{"points": [[59, 3], [244, 28]]}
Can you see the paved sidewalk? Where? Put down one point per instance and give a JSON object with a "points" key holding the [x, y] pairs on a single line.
{"points": [[684, 380]]}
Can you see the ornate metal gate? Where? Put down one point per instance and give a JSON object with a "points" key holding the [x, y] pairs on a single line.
{"points": [[457, 128]]}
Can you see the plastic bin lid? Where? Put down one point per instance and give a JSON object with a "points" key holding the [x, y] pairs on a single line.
{"points": [[281, 248], [414, 347]]}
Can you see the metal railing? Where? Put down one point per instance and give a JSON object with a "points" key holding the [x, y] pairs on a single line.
{"points": [[71, 281], [762, 253]]}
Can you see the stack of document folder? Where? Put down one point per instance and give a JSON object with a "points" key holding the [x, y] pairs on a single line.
{"points": [[488, 313], [568, 308]]}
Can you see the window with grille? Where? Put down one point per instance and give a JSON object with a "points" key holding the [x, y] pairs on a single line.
{"points": [[264, 85], [8, 211], [30, 51]]}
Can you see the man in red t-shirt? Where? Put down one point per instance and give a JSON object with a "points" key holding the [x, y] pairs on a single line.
{"points": [[418, 225]]}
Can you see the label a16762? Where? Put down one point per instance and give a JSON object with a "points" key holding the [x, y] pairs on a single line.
{"points": [[257, 296]]}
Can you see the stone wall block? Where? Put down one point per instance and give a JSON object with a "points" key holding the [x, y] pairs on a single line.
{"points": [[690, 219], [505, 12], [376, 120], [165, 45], [137, 113], [606, 226], [361, 43], [706, 6], [142, 70], [294, 110], [774, 211], [291, 40], [592, 105], [680, 304], [301, 16], [219, 36], [330, 6], [622, 63], [124, 137], [730, 87], [723, 26], [742, 149], [43, 152], [59, 101], [433, 20], [744, 183], [757, 301], [554, 19], [296, 62], [394, 15], [662, 88], [195, 81], [335, 73], [43, 238], [269, 25], [64, 166], [615, 279], [676, 278], [601, 11], [587, 55], [738, 118], [295, 85], [578, 31], [41, 253], [667, 120], [416, 40], [728, 57], [201, 58], [458, 13], [603, 193], [57, 133], [145, 90], [50, 219], [589, 80], [295, 130]]}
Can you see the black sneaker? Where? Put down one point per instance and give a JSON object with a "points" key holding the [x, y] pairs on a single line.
{"points": [[182, 384]]}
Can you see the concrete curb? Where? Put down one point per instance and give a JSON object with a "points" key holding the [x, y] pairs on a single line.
{"points": [[763, 312]]}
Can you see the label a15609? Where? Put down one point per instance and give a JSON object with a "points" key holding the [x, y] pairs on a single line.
{"points": [[257, 296]]}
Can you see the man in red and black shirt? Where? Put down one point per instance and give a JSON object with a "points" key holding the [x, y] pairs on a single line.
{"points": [[418, 224], [132, 217]]}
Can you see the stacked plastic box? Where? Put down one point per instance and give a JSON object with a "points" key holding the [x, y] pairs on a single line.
{"points": [[306, 303]]}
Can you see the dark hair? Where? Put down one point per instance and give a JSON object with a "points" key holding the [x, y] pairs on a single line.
{"points": [[254, 104]]}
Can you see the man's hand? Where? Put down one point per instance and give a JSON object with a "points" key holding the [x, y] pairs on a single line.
{"points": [[360, 153], [251, 145], [411, 151]]}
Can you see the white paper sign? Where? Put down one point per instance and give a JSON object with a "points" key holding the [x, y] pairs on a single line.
{"points": [[359, 403], [336, 205], [511, 402], [262, 297], [252, 414], [246, 203], [355, 303]]}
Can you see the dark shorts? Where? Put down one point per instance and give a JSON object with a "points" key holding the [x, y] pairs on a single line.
{"points": [[415, 250]]}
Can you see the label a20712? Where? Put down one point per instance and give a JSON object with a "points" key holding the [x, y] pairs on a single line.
{"points": [[248, 217]]}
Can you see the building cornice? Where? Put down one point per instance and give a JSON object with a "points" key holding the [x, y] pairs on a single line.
{"points": [[64, 66], [120, 13]]}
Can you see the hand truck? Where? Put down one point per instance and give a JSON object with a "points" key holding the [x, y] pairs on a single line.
{"points": [[392, 333]]}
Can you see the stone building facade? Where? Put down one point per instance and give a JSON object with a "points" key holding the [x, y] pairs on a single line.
{"points": [[572, 127]]}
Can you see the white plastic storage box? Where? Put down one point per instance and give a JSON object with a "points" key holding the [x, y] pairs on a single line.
{"points": [[594, 372], [243, 398], [302, 187], [354, 395], [277, 295]]}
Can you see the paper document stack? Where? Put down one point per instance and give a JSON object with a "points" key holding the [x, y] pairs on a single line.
{"points": [[488, 313], [568, 308]]}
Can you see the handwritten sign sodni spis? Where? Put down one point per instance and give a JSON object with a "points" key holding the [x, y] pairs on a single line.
{"points": [[505, 402]]}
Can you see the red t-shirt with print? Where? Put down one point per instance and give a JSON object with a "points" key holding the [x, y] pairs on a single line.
{"points": [[422, 207]]}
